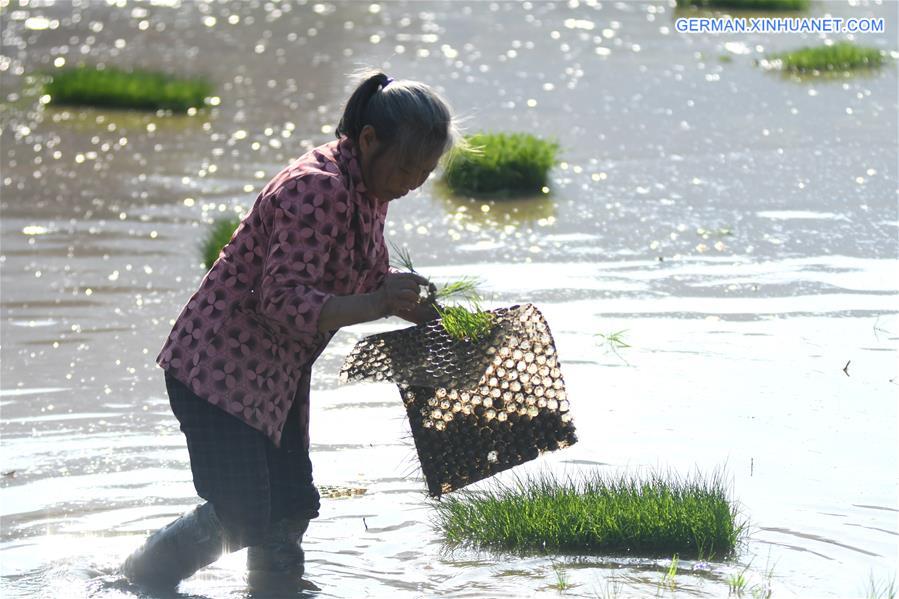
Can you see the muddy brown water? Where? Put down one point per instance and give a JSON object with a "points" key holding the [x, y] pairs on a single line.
{"points": [[739, 225]]}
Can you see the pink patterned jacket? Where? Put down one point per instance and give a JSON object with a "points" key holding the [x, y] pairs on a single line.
{"points": [[246, 340]]}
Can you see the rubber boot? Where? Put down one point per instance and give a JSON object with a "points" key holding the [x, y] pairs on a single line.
{"points": [[177, 550], [279, 561]]}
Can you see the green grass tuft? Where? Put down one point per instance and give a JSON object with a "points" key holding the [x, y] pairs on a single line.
{"points": [[561, 583], [880, 589], [501, 164], [842, 56], [612, 342], [737, 582], [773, 5], [115, 88], [217, 237], [625, 515], [669, 581]]}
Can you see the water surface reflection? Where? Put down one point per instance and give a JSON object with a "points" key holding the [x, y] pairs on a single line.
{"points": [[740, 227]]}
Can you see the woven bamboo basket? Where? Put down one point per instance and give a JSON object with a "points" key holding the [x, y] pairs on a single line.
{"points": [[475, 407]]}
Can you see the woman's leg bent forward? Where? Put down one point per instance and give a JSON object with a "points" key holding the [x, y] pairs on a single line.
{"points": [[228, 459], [293, 494], [279, 561]]}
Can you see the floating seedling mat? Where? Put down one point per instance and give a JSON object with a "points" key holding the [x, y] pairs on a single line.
{"points": [[476, 407]]}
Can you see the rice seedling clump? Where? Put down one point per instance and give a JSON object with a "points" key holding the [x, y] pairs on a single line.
{"points": [[774, 5], [842, 56], [501, 164], [217, 237], [462, 323], [115, 88], [624, 515]]}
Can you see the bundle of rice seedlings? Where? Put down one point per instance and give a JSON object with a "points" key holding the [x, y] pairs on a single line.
{"points": [[116, 88], [624, 514], [842, 56], [501, 164], [465, 323]]}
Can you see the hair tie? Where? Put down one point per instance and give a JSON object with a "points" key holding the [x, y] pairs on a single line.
{"points": [[388, 82]]}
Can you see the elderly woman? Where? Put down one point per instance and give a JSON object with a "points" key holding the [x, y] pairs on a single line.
{"points": [[308, 259]]}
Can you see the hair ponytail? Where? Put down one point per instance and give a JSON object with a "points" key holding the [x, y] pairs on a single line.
{"points": [[408, 117], [353, 119]]}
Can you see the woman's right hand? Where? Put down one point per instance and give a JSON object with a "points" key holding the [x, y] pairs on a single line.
{"points": [[400, 293]]}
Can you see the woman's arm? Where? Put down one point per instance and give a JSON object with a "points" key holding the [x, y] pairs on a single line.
{"points": [[303, 224], [398, 295]]}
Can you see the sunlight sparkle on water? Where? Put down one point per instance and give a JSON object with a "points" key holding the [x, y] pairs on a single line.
{"points": [[35, 230]]}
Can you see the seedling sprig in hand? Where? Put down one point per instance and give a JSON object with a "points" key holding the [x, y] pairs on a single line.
{"points": [[458, 321], [401, 259], [465, 288]]}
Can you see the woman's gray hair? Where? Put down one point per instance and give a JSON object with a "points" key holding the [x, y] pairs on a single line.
{"points": [[407, 116]]}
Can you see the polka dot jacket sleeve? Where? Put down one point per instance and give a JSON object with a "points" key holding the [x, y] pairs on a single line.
{"points": [[306, 219]]}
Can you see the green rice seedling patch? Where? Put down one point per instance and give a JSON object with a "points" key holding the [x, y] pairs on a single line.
{"points": [[217, 237], [842, 56], [116, 88], [629, 515], [501, 164]]}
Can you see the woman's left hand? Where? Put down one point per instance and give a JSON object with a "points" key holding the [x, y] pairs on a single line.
{"points": [[420, 314]]}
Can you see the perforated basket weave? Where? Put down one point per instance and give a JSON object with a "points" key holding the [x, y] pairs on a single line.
{"points": [[475, 407]]}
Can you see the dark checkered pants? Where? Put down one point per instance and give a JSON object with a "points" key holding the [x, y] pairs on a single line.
{"points": [[251, 483]]}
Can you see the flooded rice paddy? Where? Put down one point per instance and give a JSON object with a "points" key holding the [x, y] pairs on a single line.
{"points": [[738, 225]]}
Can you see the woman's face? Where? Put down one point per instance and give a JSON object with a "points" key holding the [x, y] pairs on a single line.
{"points": [[386, 176]]}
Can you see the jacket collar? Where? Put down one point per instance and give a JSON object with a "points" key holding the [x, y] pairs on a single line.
{"points": [[347, 156]]}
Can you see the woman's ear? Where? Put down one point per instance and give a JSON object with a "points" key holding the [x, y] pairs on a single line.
{"points": [[368, 140]]}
